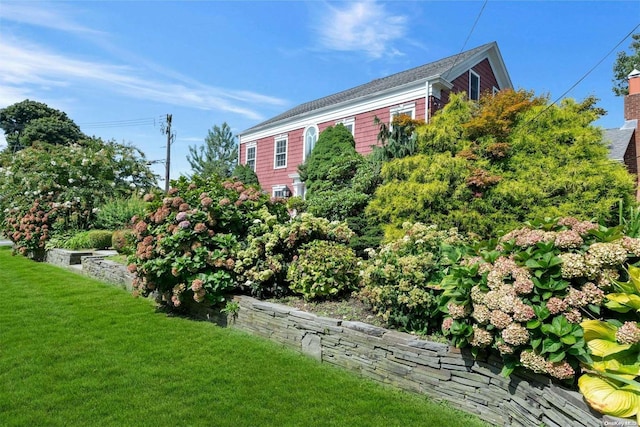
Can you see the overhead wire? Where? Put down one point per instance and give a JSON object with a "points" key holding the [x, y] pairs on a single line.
{"points": [[584, 76], [464, 45], [120, 123]]}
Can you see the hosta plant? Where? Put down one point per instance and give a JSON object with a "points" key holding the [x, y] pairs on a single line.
{"points": [[611, 382]]}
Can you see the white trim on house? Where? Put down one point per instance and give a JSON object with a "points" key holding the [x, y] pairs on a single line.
{"points": [[280, 151], [305, 151], [248, 147], [280, 190], [398, 95], [474, 96], [408, 109], [350, 124]]}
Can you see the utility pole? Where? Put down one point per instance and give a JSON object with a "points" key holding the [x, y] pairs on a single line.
{"points": [[167, 164]]}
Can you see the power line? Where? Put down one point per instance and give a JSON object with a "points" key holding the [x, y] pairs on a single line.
{"points": [[473, 27], [584, 76], [120, 123]]}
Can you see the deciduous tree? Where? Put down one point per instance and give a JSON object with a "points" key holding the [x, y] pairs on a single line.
{"points": [[624, 65]]}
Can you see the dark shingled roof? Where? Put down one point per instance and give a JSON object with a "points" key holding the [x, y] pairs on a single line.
{"points": [[378, 85], [618, 140]]}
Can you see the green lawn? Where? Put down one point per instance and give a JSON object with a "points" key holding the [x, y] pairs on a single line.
{"points": [[76, 352]]}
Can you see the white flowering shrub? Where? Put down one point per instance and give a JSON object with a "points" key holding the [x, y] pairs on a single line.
{"points": [[526, 295], [401, 280], [49, 188]]}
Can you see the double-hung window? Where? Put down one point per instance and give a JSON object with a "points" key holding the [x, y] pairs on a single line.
{"points": [[407, 109], [349, 124], [280, 152], [474, 86], [251, 156]]}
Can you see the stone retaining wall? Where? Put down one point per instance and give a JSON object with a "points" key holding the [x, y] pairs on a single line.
{"points": [[65, 257], [107, 271], [435, 369]]}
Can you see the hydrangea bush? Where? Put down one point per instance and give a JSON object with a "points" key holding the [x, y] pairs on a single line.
{"points": [[401, 280], [272, 245], [188, 241], [324, 269], [526, 295]]}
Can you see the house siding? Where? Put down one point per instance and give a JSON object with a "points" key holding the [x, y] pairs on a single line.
{"points": [[365, 130]]}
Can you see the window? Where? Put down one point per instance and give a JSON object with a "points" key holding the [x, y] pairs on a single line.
{"points": [[251, 156], [280, 191], [408, 109], [474, 85], [280, 157], [349, 124], [310, 138]]}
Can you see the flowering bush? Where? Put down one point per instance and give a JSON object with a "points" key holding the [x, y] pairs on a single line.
{"points": [[401, 281], [187, 242], [526, 296], [60, 186], [323, 269], [271, 246]]}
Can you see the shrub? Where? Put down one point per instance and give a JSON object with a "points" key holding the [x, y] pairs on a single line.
{"points": [[272, 245], [122, 241], [117, 213], [323, 269], [526, 296], [401, 281], [92, 239], [186, 244]]}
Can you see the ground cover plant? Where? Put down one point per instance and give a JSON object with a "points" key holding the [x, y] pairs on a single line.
{"points": [[79, 352]]}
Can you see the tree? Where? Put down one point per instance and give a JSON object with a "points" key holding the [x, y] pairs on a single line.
{"points": [[245, 174], [340, 183], [218, 155], [511, 158], [624, 65], [396, 140], [28, 121]]}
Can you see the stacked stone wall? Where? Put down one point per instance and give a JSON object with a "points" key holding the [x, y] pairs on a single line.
{"points": [[435, 369], [65, 257], [107, 271]]}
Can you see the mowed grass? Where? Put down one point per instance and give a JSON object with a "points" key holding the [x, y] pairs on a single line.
{"points": [[77, 352]]}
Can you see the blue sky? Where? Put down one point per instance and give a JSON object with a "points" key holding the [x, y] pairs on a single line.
{"points": [[118, 67]]}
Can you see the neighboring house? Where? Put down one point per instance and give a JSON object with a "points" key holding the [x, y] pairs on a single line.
{"points": [[624, 143], [275, 147]]}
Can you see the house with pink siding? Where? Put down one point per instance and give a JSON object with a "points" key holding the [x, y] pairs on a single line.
{"points": [[275, 147]]}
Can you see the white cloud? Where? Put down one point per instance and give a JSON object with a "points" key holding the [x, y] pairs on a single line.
{"points": [[39, 15], [30, 68], [364, 26]]}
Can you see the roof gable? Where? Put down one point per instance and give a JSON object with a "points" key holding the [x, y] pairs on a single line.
{"points": [[451, 66]]}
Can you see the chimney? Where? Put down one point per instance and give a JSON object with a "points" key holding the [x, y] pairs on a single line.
{"points": [[632, 101]]}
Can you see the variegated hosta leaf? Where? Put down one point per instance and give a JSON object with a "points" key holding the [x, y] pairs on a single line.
{"points": [[629, 300], [634, 274], [614, 366], [608, 397], [604, 348], [598, 329]]}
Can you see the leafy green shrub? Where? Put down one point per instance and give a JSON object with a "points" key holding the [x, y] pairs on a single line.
{"points": [[92, 239], [323, 269], [401, 281], [478, 167], [51, 188], [187, 242], [117, 213], [122, 241], [271, 246], [526, 296]]}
